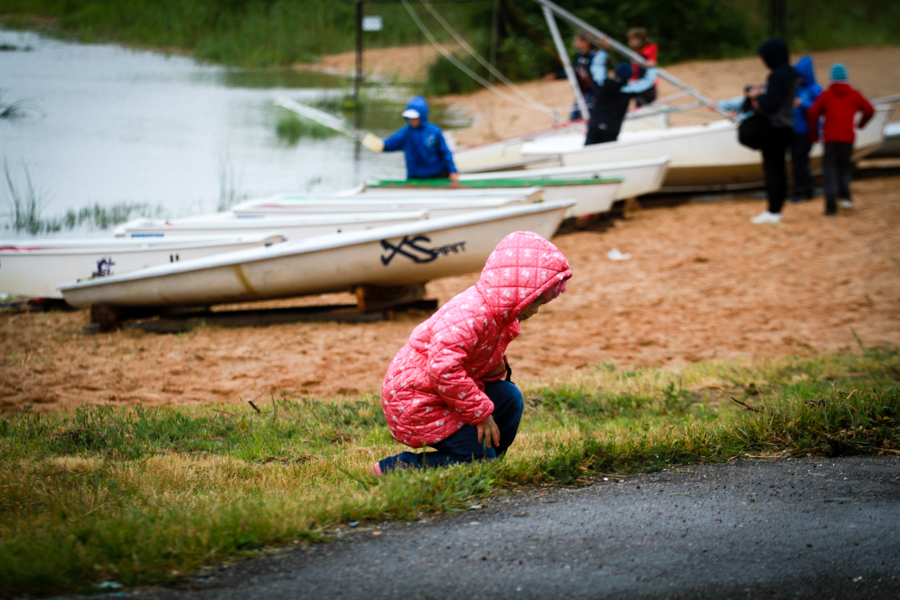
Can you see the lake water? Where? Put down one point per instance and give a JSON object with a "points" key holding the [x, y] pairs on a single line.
{"points": [[101, 124]]}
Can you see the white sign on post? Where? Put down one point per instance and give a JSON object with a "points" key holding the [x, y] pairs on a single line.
{"points": [[371, 24]]}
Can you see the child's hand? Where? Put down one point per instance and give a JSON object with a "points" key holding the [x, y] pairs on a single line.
{"points": [[489, 432]]}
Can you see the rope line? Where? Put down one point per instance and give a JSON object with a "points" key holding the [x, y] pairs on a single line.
{"points": [[456, 62], [462, 42]]}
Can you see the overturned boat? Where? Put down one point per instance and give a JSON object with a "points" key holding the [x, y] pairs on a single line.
{"points": [[33, 268], [386, 257]]}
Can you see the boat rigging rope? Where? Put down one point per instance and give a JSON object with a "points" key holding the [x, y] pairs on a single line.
{"points": [[449, 56], [462, 42]]}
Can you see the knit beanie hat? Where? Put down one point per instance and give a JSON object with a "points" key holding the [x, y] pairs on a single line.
{"points": [[838, 72]]}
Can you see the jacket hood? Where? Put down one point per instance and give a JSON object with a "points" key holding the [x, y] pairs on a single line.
{"points": [[774, 53], [806, 72], [839, 88], [522, 267], [418, 104]]}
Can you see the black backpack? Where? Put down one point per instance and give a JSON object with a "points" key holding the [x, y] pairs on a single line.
{"points": [[754, 131]]}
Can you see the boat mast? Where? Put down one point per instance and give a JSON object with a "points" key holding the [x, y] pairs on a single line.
{"points": [[551, 8], [567, 64]]}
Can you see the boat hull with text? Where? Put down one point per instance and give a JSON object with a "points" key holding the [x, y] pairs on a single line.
{"points": [[33, 268], [397, 255]]}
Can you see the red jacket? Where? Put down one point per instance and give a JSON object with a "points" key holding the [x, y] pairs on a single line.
{"points": [[838, 105], [649, 52], [435, 384]]}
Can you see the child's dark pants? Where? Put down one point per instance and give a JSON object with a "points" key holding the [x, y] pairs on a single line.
{"points": [[463, 446], [836, 172], [802, 178]]}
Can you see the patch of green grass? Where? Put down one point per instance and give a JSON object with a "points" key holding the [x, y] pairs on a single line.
{"points": [[14, 110], [27, 205], [344, 103], [291, 129], [131, 495]]}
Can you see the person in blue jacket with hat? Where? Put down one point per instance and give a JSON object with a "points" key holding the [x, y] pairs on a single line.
{"points": [[807, 92], [423, 143]]}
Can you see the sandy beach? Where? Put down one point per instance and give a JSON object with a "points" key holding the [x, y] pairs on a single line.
{"points": [[701, 283]]}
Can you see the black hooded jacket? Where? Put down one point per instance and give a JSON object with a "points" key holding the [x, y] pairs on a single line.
{"points": [[611, 104], [778, 100]]}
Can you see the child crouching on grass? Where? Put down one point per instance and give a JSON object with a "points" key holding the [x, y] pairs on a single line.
{"points": [[445, 387]]}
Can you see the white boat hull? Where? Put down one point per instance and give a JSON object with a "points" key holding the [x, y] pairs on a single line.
{"points": [[436, 207], [292, 227], [387, 256], [590, 199], [592, 195], [34, 268], [891, 146], [704, 157], [531, 194], [639, 177], [507, 154]]}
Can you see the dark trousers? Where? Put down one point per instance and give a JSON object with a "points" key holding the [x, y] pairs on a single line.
{"points": [[463, 446], [774, 166], [836, 174], [802, 184], [599, 133]]}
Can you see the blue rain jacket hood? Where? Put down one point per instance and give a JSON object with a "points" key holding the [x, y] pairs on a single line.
{"points": [[807, 91], [419, 104], [425, 148]]}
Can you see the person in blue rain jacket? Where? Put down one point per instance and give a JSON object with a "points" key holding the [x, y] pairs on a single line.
{"points": [[807, 92], [423, 143]]}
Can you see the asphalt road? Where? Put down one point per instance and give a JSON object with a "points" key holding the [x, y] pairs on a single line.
{"points": [[791, 528]]}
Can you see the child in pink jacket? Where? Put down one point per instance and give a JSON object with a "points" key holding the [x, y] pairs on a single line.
{"points": [[445, 387]]}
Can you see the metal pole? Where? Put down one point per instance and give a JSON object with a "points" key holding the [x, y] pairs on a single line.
{"points": [[575, 21], [495, 22], [567, 64], [777, 18], [359, 52]]}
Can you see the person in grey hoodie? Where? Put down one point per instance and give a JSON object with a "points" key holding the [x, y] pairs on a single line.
{"points": [[776, 101]]}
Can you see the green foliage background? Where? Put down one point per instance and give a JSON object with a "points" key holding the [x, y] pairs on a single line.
{"points": [[278, 32]]}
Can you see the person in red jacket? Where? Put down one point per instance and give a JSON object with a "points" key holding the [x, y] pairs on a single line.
{"points": [[445, 388], [639, 41], [837, 106]]}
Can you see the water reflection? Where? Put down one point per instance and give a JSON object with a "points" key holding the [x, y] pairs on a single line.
{"points": [[113, 127]]}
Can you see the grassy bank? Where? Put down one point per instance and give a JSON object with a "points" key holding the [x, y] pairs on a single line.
{"points": [[137, 496], [515, 34], [236, 32]]}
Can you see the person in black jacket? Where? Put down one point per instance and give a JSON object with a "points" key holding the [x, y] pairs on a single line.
{"points": [[775, 102], [611, 103]]}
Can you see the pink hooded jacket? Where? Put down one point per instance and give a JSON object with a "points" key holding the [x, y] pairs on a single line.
{"points": [[435, 384]]}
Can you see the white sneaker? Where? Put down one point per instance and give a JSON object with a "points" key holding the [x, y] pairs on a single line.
{"points": [[766, 217], [846, 203]]}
